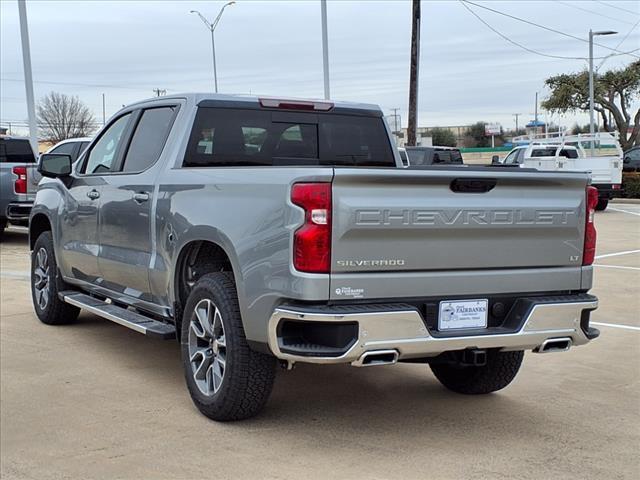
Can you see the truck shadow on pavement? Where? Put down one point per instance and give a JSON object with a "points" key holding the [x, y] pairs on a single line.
{"points": [[367, 400]]}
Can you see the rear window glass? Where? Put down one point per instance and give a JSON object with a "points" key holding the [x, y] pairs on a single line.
{"points": [[543, 152], [243, 137], [16, 151]]}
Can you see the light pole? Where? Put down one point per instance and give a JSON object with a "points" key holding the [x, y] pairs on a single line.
{"points": [[212, 26], [591, 119]]}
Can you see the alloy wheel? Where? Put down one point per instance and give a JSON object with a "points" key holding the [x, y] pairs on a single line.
{"points": [[207, 347]]}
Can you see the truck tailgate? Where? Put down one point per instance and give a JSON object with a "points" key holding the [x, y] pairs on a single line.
{"points": [[408, 220]]}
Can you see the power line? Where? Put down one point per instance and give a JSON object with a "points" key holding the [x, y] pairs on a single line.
{"points": [[618, 46], [4, 79], [530, 50], [548, 28], [566, 4], [618, 8], [464, 4]]}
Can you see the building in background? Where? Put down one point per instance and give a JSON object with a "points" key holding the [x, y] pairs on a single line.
{"points": [[424, 137]]}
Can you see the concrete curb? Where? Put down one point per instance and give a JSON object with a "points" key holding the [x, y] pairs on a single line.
{"points": [[626, 200]]}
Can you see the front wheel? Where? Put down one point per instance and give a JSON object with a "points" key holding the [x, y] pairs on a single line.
{"points": [[499, 371], [226, 379], [46, 283], [602, 204]]}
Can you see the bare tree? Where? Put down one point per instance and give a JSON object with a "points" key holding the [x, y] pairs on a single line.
{"points": [[63, 116]]}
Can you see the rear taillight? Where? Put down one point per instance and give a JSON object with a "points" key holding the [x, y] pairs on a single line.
{"points": [[589, 251], [312, 241], [20, 184]]}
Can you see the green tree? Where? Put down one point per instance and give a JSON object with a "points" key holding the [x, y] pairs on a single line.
{"points": [[476, 132], [614, 93], [443, 137]]}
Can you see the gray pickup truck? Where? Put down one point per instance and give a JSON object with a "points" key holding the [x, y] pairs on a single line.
{"points": [[261, 231], [18, 181]]}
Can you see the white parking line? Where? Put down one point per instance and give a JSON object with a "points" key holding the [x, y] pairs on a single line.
{"points": [[616, 266], [616, 254], [616, 325], [624, 211]]}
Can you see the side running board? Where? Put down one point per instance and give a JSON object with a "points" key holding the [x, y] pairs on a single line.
{"points": [[134, 321]]}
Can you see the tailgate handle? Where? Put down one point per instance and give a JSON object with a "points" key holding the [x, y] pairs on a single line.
{"points": [[472, 185]]}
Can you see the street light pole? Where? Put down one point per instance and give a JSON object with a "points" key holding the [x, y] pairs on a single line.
{"points": [[325, 49], [591, 94], [212, 27], [28, 78]]}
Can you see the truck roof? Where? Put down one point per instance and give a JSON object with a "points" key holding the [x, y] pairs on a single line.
{"points": [[254, 101]]}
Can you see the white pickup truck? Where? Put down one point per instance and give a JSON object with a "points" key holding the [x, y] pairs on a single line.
{"points": [[567, 153]]}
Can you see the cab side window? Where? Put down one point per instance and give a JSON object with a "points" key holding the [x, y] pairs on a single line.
{"points": [[148, 139], [102, 157]]}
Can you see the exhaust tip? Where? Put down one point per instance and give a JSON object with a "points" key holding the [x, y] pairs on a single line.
{"points": [[555, 345], [377, 357]]}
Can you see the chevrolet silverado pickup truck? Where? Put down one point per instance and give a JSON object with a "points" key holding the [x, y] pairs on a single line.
{"points": [[18, 181], [261, 231]]}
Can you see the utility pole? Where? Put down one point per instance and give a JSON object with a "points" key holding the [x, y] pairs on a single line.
{"points": [[395, 124], [159, 92], [325, 49], [28, 77], [413, 74], [104, 116], [536, 111], [517, 115]]}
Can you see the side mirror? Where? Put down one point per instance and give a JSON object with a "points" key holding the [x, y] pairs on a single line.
{"points": [[55, 165], [495, 160]]}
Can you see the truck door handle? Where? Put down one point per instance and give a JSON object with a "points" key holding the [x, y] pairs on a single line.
{"points": [[93, 194], [140, 197]]}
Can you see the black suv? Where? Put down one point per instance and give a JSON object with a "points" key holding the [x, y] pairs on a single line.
{"points": [[434, 156]]}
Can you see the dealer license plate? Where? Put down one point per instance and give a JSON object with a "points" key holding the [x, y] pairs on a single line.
{"points": [[462, 314]]}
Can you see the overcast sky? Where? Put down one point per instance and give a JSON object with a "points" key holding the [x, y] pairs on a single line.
{"points": [[125, 49]]}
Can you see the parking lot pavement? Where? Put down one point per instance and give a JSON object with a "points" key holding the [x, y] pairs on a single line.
{"points": [[95, 400]]}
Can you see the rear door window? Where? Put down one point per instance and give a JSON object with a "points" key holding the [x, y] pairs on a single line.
{"points": [[148, 139], [16, 151], [244, 137]]}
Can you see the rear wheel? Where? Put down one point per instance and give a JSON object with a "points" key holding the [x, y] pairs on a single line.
{"points": [[602, 204], [499, 371], [46, 283], [226, 379]]}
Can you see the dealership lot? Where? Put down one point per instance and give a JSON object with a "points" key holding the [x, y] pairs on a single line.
{"points": [[97, 400]]}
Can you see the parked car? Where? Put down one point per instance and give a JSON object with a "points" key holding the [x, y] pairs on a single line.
{"points": [[567, 154], [631, 162], [18, 180], [72, 147], [434, 156], [312, 245]]}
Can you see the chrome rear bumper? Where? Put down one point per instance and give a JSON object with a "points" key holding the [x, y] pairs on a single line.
{"points": [[401, 328]]}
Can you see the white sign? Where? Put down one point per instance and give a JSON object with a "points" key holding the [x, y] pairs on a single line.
{"points": [[491, 129]]}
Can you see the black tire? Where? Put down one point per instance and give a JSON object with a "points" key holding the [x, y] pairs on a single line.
{"points": [[54, 311], [248, 376], [499, 371], [602, 204]]}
